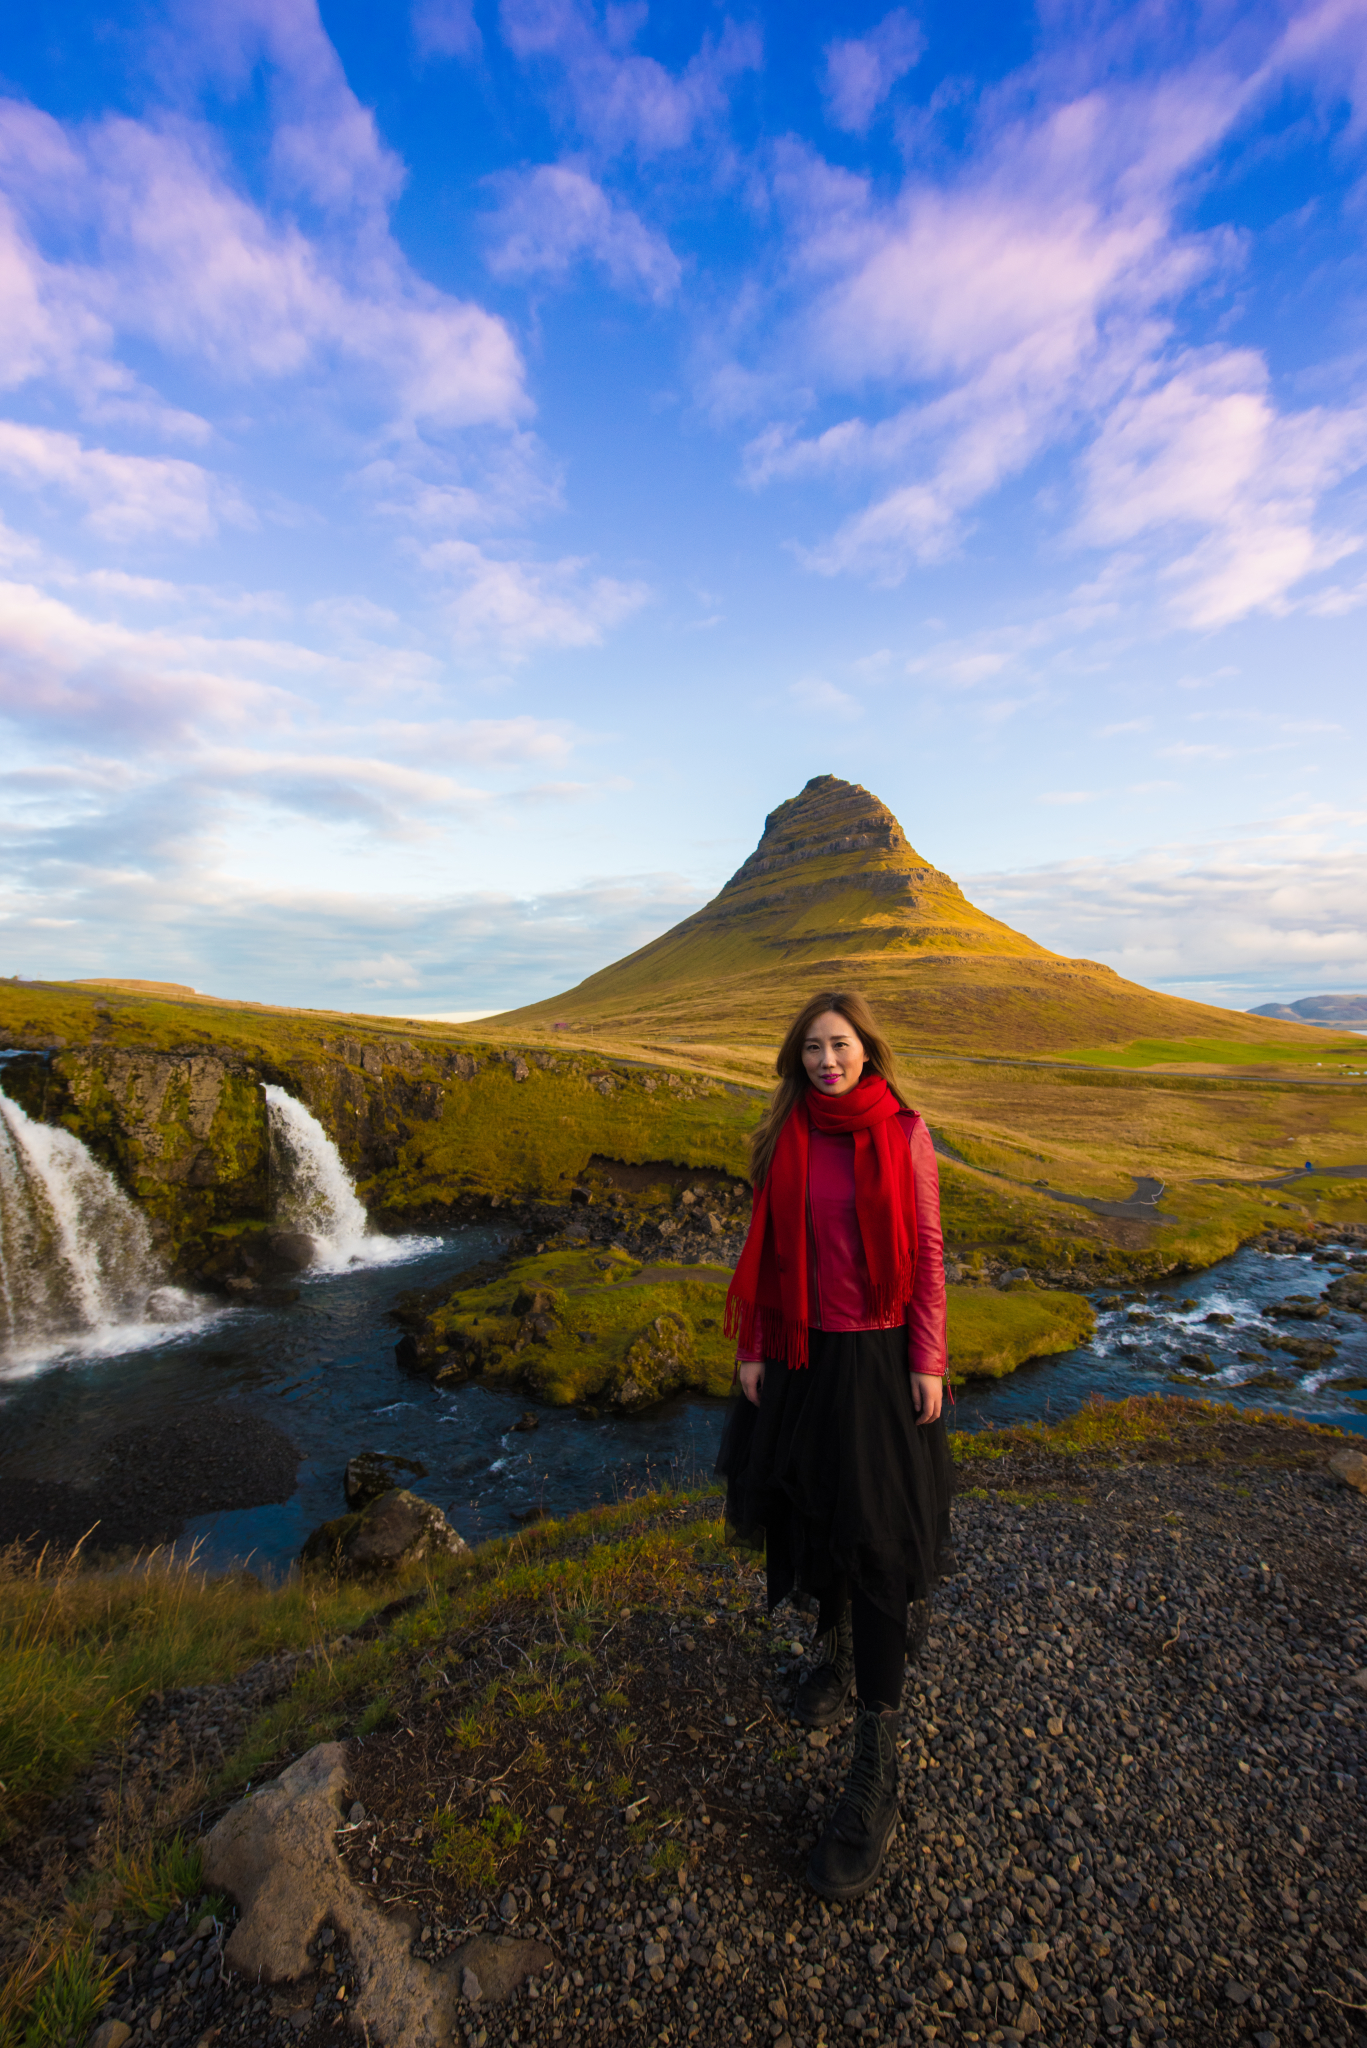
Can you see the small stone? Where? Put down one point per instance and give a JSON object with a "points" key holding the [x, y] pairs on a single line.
{"points": [[1236, 1992], [956, 1943], [1027, 2020], [878, 1955], [356, 1813], [507, 1908], [103, 1919], [1025, 1973], [469, 1985], [653, 1953], [556, 1816], [110, 2034], [1035, 1951], [1351, 1468]]}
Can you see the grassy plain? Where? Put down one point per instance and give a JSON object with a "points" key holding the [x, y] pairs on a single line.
{"points": [[427, 1115]]}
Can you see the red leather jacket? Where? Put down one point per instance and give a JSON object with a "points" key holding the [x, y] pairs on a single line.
{"points": [[838, 1284]]}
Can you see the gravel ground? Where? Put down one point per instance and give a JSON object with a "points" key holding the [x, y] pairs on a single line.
{"points": [[1133, 1763], [141, 1485]]}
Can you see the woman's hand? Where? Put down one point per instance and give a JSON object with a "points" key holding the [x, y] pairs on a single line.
{"points": [[927, 1395], [751, 1380]]}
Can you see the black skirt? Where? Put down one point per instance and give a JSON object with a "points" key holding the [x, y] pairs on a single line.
{"points": [[833, 1473]]}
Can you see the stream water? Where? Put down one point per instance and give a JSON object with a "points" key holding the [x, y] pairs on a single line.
{"points": [[323, 1369], [97, 1346]]}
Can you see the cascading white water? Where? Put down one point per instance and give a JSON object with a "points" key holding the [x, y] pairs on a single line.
{"points": [[312, 1191], [77, 1268]]}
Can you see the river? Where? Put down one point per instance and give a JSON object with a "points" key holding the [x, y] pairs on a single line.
{"points": [[322, 1369]]}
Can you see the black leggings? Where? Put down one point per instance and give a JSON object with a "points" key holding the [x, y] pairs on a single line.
{"points": [[880, 1653]]}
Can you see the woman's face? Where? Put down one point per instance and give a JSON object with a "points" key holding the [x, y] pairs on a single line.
{"points": [[832, 1054]]}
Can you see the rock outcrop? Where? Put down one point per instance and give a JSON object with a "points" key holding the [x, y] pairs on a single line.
{"points": [[276, 1853], [395, 1529], [371, 1473]]}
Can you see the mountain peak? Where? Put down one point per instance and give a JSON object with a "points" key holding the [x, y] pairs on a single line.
{"points": [[835, 896], [828, 817]]}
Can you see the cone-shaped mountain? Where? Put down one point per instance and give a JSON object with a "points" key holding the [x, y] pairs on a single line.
{"points": [[834, 895]]}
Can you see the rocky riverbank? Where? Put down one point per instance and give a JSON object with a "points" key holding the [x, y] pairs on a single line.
{"points": [[1133, 1755]]}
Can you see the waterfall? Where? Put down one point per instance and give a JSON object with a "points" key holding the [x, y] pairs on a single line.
{"points": [[312, 1192], [77, 1270]]}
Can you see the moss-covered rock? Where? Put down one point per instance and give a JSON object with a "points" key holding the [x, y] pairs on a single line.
{"points": [[993, 1330], [579, 1326]]}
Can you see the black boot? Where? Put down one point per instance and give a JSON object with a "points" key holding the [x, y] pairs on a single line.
{"points": [[849, 1856], [824, 1695]]}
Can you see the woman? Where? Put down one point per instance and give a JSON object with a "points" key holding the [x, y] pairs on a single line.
{"points": [[835, 1448]]}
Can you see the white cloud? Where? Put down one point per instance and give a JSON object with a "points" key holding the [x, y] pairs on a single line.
{"points": [[554, 217], [1204, 453], [517, 605], [472, 950], [207, 275], [1285, 904], [861, 72], [126, 496]]}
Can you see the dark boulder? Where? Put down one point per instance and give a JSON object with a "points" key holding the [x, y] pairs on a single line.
{"points": [[371, 1473], [397, 1529]]}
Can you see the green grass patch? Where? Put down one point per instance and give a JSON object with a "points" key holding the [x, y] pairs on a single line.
{"points": [[574, 1326], [993, 1330], [1102, 1426], [81, 1649], [1223, 1052], [160, 1877]]}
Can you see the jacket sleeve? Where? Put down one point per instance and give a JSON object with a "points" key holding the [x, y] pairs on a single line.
{"points": [[927, 1333]]}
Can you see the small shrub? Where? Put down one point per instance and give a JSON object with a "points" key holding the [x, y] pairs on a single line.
{"points": [[54, 1994], [156, 1880], [471, 1854], [469, 1731], [375, 1715], [463, 1853]]}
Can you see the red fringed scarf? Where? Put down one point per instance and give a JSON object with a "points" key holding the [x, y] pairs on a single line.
{"points": [[768, 1295]]}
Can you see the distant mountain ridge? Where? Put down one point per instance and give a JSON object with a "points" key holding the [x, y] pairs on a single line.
{"points": [[835, 895], [1329, 1011]]}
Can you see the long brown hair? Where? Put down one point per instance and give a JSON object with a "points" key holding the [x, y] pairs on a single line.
{"points": [[879, 1058]]}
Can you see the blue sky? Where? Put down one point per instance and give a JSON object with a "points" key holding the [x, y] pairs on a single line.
{"points": [[461, 467]]}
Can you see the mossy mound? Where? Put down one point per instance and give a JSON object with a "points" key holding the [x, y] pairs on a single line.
{"points": [[992, 1331], [585, 1326], [592, 1326]]}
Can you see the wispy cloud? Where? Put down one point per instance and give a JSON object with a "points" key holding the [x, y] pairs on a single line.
{"points": [[555, 217], [515, 606], [126, 496], [446, 28], [614, 96], [862, 70], [1024, 304]]}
